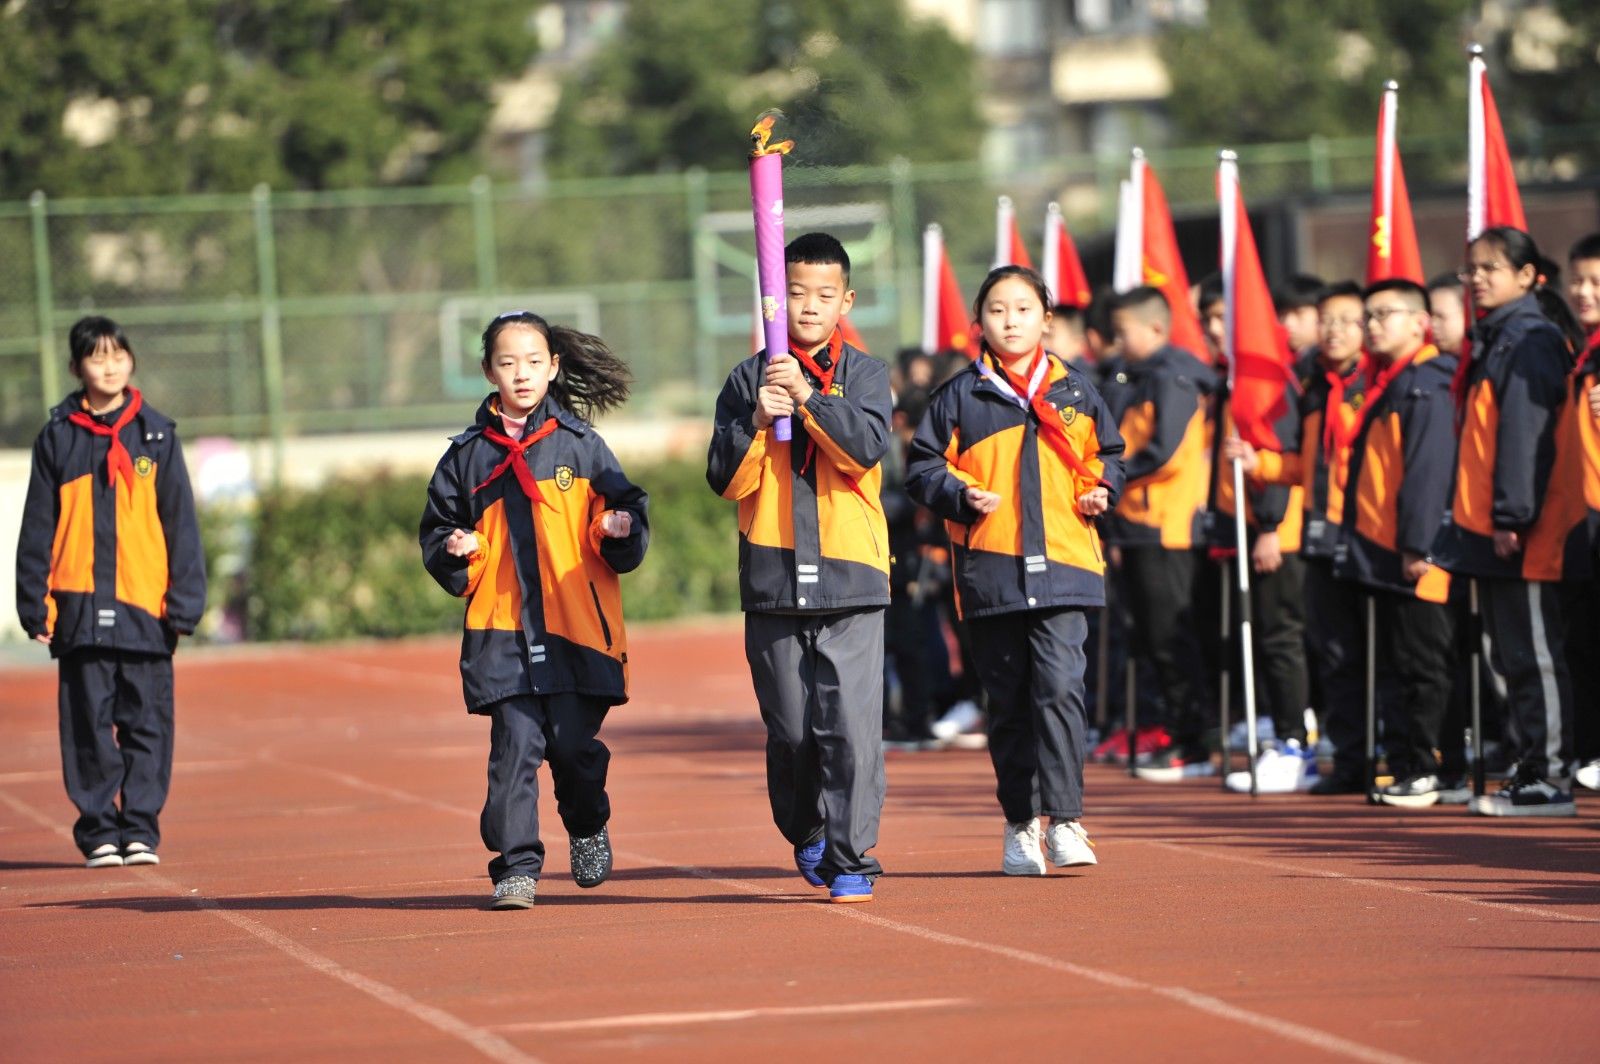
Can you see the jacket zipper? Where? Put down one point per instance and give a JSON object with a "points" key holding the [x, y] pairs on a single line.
{"points": [[605, 629]]}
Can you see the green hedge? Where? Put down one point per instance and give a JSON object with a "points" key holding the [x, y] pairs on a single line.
{"points": [[341, 561]]}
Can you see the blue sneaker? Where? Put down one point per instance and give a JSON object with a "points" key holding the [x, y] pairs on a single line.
{"points": [[850, 888], [806, 858]]}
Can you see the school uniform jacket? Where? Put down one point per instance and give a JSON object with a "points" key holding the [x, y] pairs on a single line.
{"points": [[1160, 410], [1322, 477], [1400, 466], [116, 566], [812, 535], [1587, 429], [1035, 551], [544, 608], [1267, 507], [1518, 466]]}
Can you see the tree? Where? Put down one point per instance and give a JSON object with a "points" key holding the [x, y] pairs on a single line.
{"points": [[860, 81], [167, 96]]}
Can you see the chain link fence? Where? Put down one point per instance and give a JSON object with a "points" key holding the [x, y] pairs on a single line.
{"points": [[271, 315]]}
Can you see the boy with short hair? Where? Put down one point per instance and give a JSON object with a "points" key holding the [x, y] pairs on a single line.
{"points": [[814, 567], [1161, 412], [1449, 314], [1295, 302], [1067, 340], [1400, 468], [1583, 596]]}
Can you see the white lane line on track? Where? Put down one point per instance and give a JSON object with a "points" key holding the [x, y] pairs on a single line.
{"points": [[181, 767], [486, 1042], [681, 1019], [1294, 1032], [1322, 873]]}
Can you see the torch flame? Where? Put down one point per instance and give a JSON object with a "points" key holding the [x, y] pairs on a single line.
{"points": [[762, 132]]}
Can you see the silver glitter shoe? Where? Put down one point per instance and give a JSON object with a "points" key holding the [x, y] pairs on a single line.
{"points": [[514, 892], [591, 859]]}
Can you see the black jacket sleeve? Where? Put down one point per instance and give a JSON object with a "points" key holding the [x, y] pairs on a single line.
{"points": [[1530, 395], [1109, 440], [40, 513], [449, 507], [928, 477], [625, 554], [1428, 452], [1175, 398], [856, 425], [186, 560], [733, 430]]}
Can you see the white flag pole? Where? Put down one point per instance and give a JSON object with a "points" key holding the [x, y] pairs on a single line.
{"points": [[932, 256]]}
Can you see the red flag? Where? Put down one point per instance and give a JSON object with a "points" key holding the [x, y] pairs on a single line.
{"points": [[1260, 363], [1009, 249], [1492, 195], [1160, 264], [945, 324], [1063, 270], [1392, 237]]}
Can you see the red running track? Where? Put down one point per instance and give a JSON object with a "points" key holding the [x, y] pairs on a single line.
{"points": [[322, 888]]}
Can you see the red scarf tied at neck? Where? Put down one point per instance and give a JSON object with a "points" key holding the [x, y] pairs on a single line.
{"points": [[515, 459], [118, 461], [1031, 391], [1339, 425], [824, 379]]}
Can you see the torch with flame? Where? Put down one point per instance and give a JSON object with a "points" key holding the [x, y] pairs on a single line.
{"points": [[766, 202]]}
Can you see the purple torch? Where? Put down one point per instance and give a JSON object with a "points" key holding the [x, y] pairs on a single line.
{"points": [[766, 202]]}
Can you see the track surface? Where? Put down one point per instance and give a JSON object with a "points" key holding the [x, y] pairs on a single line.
{"points": [[321, 898]]}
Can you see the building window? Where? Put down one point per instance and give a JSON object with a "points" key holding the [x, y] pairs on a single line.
{"points": [[1011, 28]]}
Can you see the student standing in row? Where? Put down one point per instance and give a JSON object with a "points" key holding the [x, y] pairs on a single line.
{"points": [[1517, 515], [1020, 455], [530, 518], [814, 568], [1400, 468], [1583, 649], [109, 575]]}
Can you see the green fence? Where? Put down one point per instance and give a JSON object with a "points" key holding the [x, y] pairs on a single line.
{"points": [[273, 314]]}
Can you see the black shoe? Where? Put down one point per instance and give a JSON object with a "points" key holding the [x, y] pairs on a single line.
{"points": [[1333, 783], [591, 859], [1413, 792]]}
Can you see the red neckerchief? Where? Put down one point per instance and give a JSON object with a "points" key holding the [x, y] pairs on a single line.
{"points": [[117, 459], [1589, 354], [1052, 427], [1376, 384], [515, 460], [824, 379], [1339, 425]]}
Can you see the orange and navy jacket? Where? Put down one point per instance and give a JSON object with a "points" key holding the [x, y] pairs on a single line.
{"points": [[544, 606], [110, 564], [1035, 551], [1322, 478], [1160, 409], [1585, 377], [1518, 466], [812, 534], [1400, 466], [1268, 507]]}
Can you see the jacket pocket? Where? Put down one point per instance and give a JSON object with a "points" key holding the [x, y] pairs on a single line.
{"points": [[605, 629]]}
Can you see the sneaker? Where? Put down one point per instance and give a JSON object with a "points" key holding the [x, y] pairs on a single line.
{"points": [[1022, 854], [139, 853], [591, 859], [806, 858], [514, 892], [1147, 743], [105, 855], [1526, 797], [850, 888], [1069, 844], [1286, 768], [1455, 790], [1588, 775], [1412, 792], [963, 718], [1173, 764]]}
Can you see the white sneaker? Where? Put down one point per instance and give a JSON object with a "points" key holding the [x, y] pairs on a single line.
{"points": [[960, 719], [1281, 769], [1589, 775], [137, 853], [105, 855], [1022, 855], [1069, 844]]}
